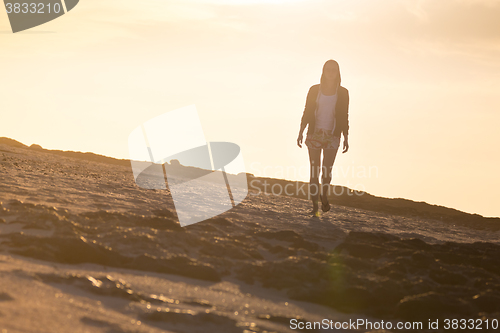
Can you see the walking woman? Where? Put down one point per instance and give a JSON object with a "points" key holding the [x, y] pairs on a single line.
{"points": [[326, 113]]}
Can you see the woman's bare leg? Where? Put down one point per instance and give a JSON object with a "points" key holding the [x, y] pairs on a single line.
{"points": [[315, 163], [326, 173]]}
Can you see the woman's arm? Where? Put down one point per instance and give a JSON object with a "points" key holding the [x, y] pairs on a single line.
{"points": [[305, 116], [300, 138], [346, 144], [345, 131]]}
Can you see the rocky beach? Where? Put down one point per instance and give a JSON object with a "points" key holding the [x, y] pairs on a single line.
{"points": [[84, 249]]}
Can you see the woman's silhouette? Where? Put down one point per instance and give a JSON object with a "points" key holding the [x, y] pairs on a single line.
{"points": [[326, 113]]}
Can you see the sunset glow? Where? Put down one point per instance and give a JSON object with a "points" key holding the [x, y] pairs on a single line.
{"points": [[422, 78]]}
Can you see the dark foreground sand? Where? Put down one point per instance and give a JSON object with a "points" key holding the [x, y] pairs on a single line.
{"points": [[83, 249]]}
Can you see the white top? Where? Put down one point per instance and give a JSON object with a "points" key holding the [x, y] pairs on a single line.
{"points": [[325, 113]]}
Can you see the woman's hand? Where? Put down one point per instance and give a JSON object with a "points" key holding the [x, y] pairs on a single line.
{"points": [[299, 140], [346, 145]]}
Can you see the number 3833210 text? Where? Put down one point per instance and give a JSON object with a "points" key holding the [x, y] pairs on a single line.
{"points": [[33, 8]]}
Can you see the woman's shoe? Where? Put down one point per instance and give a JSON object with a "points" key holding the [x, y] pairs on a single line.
{"points": [[315, 213]]}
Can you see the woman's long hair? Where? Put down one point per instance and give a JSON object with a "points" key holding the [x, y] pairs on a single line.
{"points": [[323, 73]]}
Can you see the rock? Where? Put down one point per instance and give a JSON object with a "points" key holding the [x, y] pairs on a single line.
{"points": [[487, 301], [422, 259], [5, 297], [36, 147], [444, 276], [353, 299], [430, 305], [365, 251]]}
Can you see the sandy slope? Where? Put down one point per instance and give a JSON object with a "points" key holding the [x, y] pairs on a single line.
{"points": [[86, 250], [61, 298]]}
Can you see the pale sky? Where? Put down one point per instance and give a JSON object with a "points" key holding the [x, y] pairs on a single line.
{"points": [[423, 78]]}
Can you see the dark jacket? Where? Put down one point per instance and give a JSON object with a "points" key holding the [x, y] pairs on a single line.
{"points": [[341, 111]]}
